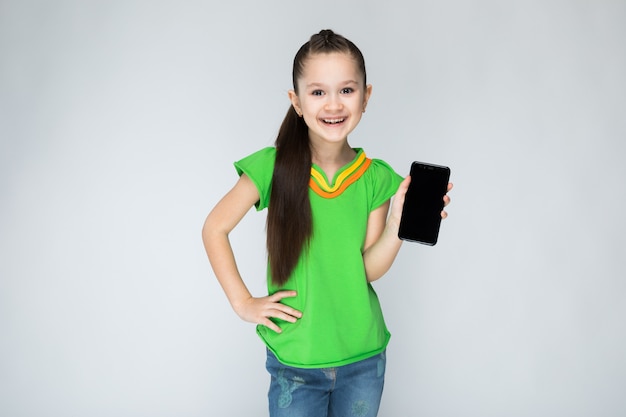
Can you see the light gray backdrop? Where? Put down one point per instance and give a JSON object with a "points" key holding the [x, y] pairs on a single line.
{"points": [[119, 123]]}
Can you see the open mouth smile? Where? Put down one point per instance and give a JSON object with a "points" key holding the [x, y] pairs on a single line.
{"points": [[334, 121]]}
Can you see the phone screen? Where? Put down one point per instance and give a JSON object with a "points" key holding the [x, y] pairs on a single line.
{"points": [[421, 213]]}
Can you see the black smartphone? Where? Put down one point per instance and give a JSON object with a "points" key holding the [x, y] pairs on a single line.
{"points": [[421, 213]]}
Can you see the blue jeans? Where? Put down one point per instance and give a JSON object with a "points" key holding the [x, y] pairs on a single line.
{"points": [[344, 391]]}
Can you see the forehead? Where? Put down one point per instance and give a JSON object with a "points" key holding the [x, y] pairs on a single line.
{"points": [[329, 68]]}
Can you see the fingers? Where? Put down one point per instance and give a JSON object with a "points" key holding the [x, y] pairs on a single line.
{"points": [[270, 325], [277, 296], [446, 201], [263, 310], [283, 312], [290, 316]]}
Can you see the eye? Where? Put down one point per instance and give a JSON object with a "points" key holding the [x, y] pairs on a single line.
{"points": [[317, 93], [347, 90]]}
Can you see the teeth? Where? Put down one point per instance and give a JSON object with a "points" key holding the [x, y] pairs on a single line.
{"points": [[333, 121]]}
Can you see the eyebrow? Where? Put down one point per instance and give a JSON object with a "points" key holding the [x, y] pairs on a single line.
{"points": [[312, 85]]}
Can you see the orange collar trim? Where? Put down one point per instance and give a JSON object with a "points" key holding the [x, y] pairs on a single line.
{"points": [[352, 173]]}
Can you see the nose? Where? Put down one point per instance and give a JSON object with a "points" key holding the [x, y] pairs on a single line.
{"points": [[334, 102]]}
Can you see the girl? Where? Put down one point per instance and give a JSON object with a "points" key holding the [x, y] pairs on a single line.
{"points": [[328, 238]]}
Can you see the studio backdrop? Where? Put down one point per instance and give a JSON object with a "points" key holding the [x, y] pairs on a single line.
{"points": [[119, 124]]}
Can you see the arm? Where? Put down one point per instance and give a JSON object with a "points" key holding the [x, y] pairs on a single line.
{"points": [[382, 243], [219, 223]]}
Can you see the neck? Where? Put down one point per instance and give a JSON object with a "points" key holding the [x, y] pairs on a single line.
{"points": [[332, 154], [332, 157]]}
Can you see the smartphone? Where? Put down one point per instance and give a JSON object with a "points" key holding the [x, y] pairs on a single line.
{"points": [[421, 213]]}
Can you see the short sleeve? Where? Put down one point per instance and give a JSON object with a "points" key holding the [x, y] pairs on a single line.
{"points": [[385, 182], [259, 167]]}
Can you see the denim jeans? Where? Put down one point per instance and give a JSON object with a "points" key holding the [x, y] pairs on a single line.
{"points": [[344, 391]]}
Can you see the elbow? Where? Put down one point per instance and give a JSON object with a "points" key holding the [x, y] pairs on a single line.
{"points": [[211, 232], [374, 275], [374, 271], [377, 264], [206, 230], [371, 279]]}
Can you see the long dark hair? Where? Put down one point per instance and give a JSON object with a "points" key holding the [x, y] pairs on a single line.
{"points": [[289, 219]]}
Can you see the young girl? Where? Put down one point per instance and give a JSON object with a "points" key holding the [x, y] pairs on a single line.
{"points": [[328, 237]]}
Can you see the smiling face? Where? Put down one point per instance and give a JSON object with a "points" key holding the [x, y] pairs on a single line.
{"points": [[331, 95]]}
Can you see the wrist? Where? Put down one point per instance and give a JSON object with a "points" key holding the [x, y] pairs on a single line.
{"points": [[238, 304], [393, 225]]}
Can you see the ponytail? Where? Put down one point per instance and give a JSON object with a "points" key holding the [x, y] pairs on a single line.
{"points": [[289, 218]]}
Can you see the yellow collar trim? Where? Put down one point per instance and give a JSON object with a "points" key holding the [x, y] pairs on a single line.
{"points": [[352, 173]]}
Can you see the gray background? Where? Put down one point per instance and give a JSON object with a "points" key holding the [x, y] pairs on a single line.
{"points": [[119, 123]]}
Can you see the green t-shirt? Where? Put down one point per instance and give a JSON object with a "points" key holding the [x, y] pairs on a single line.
{"points": [[342, 321]]}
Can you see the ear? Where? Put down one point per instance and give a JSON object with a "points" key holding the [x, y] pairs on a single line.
{"points": [[366, 96], [295, 102]]}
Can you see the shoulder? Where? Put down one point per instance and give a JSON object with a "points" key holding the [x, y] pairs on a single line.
{"points": [[381, 167], [259, 168], [381, 170], [263, 158], [382, 181]]}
